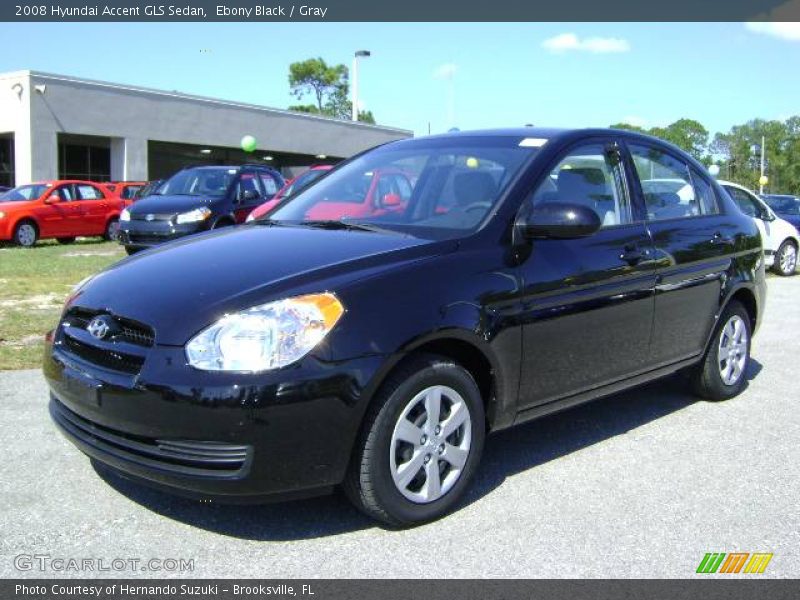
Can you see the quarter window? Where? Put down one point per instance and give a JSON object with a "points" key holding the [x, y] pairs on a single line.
{"points": [[588, 175]]}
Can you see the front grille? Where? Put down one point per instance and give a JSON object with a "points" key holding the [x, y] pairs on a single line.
{"points": [[129, 331], [137, 238], [155, 217], [109, 359], [186, 457]]}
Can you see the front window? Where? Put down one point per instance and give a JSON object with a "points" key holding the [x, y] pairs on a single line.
{"points": [[437, 187], [788, 205], [199, 181], [24, 192]]}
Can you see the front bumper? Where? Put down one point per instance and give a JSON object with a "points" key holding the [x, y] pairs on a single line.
{"points": [[228, 437], [145, 234]]}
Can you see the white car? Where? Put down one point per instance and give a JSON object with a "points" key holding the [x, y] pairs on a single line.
{"points": [[780, 238]]}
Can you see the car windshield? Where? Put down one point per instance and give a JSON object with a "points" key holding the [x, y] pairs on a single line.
{"points": [[199, 181], [24, 192], [303, 180], [788, 205], [431, 187]]}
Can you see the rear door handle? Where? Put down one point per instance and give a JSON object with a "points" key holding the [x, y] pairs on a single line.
{"points": [[720, 239]]}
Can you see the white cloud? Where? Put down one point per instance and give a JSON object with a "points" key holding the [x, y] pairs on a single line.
{"points": [[445, 71], [785, 30], [566, 42]]}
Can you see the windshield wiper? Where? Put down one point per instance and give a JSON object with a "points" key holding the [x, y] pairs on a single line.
{"points": [[334, 224]]}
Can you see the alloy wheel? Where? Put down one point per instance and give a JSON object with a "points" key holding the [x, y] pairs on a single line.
{"points": [[788, 259], [732, 352], [430, 444], [26, 235]]}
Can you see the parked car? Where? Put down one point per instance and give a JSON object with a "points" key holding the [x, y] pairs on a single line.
{"points": [[125, 189], [787, 207], [292, 186], [149, 188], [294, 355], [61, 209], [196, 199], [779, 237], [376, 192], [4, 188]]}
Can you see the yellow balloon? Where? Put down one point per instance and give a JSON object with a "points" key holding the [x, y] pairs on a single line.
{"points": [[472, 162], [763, 180]]}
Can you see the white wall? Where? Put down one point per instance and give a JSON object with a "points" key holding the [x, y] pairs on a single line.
{"points": [[131, 116], [15, 118]]}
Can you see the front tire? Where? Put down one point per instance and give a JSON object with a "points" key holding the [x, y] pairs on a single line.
{"points": [[112, 230], [722, 374], [26, 234], [420, 445], [130, 251], [786, 259]]}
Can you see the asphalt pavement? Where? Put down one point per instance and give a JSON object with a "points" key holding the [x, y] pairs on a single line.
{"points": [[641, 484]]}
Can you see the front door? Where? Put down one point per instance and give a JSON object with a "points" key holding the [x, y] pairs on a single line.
{"points": [[588, 303]]}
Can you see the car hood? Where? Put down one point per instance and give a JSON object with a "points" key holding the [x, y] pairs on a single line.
{"points": [[170, 204], [182, 287], [6, 206]]}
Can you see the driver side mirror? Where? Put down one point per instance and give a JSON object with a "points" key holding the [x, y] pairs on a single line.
{"points": [[561, 221], [391, 200], [766, 215], [52, 198]]}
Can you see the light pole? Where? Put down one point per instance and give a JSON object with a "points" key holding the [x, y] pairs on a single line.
{"points": [[354, 99], [761, 178]]}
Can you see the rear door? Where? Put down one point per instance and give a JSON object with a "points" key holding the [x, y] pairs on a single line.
{"points": [[693, 243], [248, 194], [95, 208], [587, 304]]}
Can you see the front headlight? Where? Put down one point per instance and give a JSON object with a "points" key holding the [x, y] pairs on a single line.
{"points": [[2, 215], [193, 216], [265, 337], [125, 215]]}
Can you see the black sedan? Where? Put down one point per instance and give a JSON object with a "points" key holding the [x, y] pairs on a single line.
{"points": [[525, 272]]}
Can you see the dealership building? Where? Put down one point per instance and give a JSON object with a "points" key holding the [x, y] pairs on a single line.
{"points": [[61, 127]]}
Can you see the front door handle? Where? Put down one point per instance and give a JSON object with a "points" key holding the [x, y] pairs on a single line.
{"points": [[633, 254]]}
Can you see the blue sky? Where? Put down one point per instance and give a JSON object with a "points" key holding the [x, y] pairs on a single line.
{"points": [[502, 74]]}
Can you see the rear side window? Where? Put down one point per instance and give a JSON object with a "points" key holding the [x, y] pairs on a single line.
{"points": [[671, 189], [88, 192], [269, 184], [587, 175]]}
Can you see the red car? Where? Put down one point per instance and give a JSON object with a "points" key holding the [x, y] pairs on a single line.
{"points": [[58, 209], [125, 189], [292, 185], [377, 192]]}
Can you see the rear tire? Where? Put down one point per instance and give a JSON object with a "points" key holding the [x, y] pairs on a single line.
{"points": [[410, 465], [25, 234], [722, 374], [65, 240], [786, 259]]}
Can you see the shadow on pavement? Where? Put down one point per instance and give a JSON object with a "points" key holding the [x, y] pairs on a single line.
{"points": [[507, 453]]}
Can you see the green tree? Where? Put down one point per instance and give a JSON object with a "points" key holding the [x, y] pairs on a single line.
{"points": [[328, 85], [314, 76]]}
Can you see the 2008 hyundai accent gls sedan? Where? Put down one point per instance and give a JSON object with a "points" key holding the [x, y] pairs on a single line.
{"points": [[525, 272]]}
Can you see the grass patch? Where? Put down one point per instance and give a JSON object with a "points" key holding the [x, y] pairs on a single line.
{"points": [[34, 282]]}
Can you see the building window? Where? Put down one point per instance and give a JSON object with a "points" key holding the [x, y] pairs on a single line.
{"points": [[7, 161], [79, 161]]}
